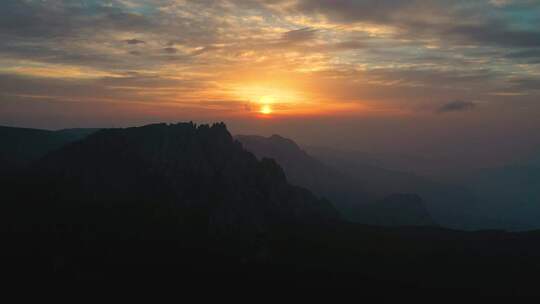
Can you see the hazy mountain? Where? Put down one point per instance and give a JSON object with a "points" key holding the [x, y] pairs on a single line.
{"points": [[510, 193], [356, 184], [391, 160], [497, 198], [535, 161], [303, 170], [353, 193], [479, 199], [20, 146]]}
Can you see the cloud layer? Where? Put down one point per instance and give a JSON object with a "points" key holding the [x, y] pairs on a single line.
{"points": [[456, 106], [219, 55]]}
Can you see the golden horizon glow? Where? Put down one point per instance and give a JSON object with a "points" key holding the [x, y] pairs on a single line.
{"points": [[266, 100], [232, 59], [267, 94], [266, 110]]}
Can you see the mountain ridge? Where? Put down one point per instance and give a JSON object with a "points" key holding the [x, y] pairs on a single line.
{"points": [[187, 205], [199, 170], [349, 195]]}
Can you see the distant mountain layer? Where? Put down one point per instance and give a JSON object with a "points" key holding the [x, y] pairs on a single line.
{"points": [[495, 198], [302, 169], [510, 193], [354, 196], [20, 146]]}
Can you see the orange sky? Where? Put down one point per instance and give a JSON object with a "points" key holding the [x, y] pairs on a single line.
{"points": [[274, 65], [295, 57]]}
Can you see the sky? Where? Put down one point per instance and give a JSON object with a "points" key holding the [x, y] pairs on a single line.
{"points": [[456, 79]]}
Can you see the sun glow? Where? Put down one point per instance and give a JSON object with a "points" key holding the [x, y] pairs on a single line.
{"points": [[271, 94], [268, 99], [282, 100], [266, 110]]}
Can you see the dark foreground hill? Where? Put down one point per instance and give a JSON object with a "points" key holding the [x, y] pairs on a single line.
{"points": [[400, 209], [184, 205], [196, 176]]}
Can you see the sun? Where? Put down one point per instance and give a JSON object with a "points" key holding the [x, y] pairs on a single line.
{"points": [[266, 109]]}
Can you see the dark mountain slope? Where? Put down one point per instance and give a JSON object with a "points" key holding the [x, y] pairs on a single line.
{"points": [[186, 173], [353, 193], [155, 194]]}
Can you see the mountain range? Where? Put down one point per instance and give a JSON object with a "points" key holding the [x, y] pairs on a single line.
{"points": [[189, 205], [354, 196], [355, 183], [195, 174]]}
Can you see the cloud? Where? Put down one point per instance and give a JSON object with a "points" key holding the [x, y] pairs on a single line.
{"points": [[373, 49], [55, 18], [462, 22], [134, 41], [500, 3], [525, 84], [498, 34], [300, 35], [170, 50], [456, 106], [529, 56]]}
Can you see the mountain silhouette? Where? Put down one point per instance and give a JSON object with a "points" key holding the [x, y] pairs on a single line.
{"points": [[199, 172], [355, 197], [187, 205]]}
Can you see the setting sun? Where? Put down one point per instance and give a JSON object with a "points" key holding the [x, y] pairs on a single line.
{"points": [[266, 109]]}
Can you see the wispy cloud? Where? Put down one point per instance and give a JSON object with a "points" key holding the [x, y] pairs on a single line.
{"points": [[456, 106], [341, 51]]}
